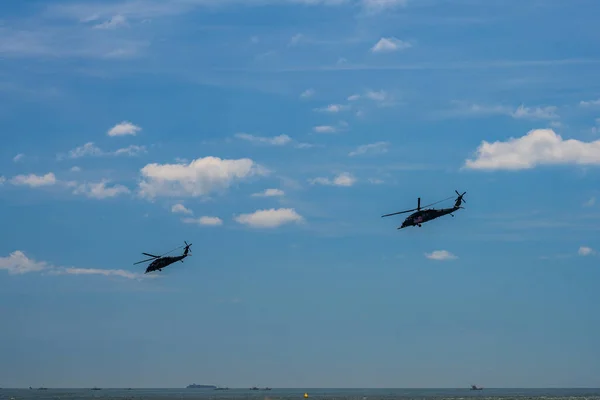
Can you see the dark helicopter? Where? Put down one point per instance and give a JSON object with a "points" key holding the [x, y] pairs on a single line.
{"points": [[420, 216], [160, 262]]}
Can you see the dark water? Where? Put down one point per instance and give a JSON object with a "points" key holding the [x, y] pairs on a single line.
{"points": [[298, 394]]}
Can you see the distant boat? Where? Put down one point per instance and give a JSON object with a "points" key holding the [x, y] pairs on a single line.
{"points": [[474, 387], [96, 388], [195, 386], [254, 388], [267, 388]]}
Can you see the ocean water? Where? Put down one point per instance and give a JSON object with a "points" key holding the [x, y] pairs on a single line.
{"points": [[297, 394]]}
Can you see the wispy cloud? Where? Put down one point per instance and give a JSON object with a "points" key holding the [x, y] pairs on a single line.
{"points": [[373, 148], [423, 66], [269, 193], [325, 129], [100, 190], [207, 221], [333, 108], [589, 103], [90, 149], [343, 179], [113, 23], [591, 201], [307, 93], [275, 140], [18, 263], [377, 6], [440, 255], [342, 125], [521, 112], [389, 45]]}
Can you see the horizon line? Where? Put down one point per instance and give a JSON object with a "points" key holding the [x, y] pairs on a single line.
{"points": [[302, 388]]}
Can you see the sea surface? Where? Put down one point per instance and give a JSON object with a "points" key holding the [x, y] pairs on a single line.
{"points": [[298, 394]]}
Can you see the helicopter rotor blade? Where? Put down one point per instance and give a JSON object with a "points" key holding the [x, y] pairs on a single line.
{"points": [[139, 262], [419, 207], [171, 251], [399, 212], [150, 255], [439, 201]]}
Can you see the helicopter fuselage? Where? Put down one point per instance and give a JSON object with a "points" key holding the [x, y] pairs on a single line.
{"points": [[420, 217], [162, 262]]}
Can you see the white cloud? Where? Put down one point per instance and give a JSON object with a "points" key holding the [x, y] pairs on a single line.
{"points": [[2, 180], [590, 202], [537, 147], [114, 22], [354, 97], [18, 263], [100, 190], [207, 221], [387, 45], [585, 251], [376, 181], [75, 169], [180, 208], [270, 218], [325, 129], [124, 128], [198, 178], [343, 179], [373, 148], [90, 149], [275, 140], [33, 180], [440, 255], [269, 193], [590, 103], [18, 157], [307, 93], [332, 108]]}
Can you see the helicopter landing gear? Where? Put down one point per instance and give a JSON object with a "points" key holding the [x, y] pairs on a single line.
{"points": [[160, 270], [419, 225], [452, 215]]}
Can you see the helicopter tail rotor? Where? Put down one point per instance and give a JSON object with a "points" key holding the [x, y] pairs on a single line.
{"points": [[187, 249], [459, 199]]}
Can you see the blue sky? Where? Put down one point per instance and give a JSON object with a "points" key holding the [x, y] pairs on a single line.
{"points": [[273, 135]]}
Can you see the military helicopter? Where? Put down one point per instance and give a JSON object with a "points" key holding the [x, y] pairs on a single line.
{"points": [[427, 214], [161, 262]]}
